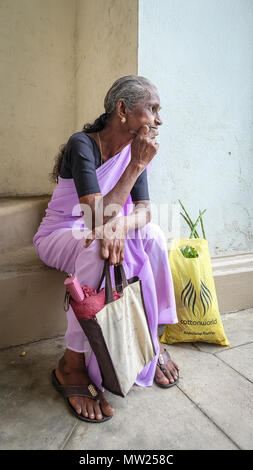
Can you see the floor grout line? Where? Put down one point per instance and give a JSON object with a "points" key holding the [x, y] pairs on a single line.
{"points": [[234, 347], [68, 437], [227, 315], [227, 348], [13, 346], [227, 364], [198, 348], [209, 418]]}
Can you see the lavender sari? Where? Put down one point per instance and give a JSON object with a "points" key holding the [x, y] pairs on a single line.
{"points": [[59, 243]]}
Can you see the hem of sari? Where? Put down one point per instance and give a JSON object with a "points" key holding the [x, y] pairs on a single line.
{"points": [[75, 350], [141, 384], [148, 379]]}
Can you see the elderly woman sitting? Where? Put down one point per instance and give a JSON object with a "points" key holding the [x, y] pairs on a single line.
{"points": [[108, 162]]}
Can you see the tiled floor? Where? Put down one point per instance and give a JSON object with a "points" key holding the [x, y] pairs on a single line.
{"points": [[210, 408]]}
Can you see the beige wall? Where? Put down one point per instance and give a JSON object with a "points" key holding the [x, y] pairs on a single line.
{"points": [[58, 58], [37, 87], [107, 48]]}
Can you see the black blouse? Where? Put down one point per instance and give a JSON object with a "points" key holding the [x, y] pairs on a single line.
{"points": [[81, 159]]}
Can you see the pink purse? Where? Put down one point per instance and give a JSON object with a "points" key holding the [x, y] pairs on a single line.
{"points": [[84, 300]]}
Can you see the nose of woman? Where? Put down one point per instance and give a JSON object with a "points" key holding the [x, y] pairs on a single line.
{"points": [[158, 121]]}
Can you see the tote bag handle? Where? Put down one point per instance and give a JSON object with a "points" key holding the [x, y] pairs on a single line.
{"points": [[119, 277]]}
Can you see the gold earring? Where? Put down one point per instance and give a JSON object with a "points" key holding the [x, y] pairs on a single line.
{"points": [[123, 120]]}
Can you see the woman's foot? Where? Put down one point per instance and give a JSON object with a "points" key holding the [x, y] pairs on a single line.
{"points": [[71, 370], [171, 370]]}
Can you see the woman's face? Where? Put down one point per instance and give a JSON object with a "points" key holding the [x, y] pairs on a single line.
{"points": [[146, 112]]}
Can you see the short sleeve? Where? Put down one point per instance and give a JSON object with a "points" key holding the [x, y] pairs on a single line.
{"points": [[139, 191], [83, 166]]}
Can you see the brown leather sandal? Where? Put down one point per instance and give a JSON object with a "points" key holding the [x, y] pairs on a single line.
{"points": [[90, 391], [162, 361]]}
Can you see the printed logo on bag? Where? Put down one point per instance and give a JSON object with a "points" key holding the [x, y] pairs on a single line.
{"points": [[205, 297], [189, 295]]}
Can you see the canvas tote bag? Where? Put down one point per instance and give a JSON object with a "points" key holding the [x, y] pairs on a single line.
{"points": [[119, 333]]}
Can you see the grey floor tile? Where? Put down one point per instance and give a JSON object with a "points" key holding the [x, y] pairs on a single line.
{"points": [[238, 327], [151, 418], [31, 414], [210, 409], [240, 359], [223, 394]]}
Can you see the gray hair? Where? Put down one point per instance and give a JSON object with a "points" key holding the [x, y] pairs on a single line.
{"points": [[131, 88]]}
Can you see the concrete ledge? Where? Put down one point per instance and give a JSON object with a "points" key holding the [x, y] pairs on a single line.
{"points": [[19, 220], [233, 277], [32, 297]]}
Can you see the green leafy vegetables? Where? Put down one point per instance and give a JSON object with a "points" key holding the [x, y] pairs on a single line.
{"points": [[188, 251]]}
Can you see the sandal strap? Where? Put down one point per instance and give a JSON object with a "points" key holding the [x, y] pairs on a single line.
{"points": [[163, 358], [89, 391]]}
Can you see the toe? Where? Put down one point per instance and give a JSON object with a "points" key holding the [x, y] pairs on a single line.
{"points": [[90, 410], [76, 405], [106, 408], [160, 377], [164, 380], [174, 374], [168, 374], [97, 410], [84, 410], [170, 377], [171, 371], [175, 371]]}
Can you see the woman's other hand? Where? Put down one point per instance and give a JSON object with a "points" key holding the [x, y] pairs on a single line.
{"points": [[144, 145], [112, 238]]}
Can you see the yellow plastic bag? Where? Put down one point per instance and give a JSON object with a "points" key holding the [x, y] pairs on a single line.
{"points": [[195, 294]]}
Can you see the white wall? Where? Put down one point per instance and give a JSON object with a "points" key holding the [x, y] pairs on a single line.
{"points": [[199, 53]]}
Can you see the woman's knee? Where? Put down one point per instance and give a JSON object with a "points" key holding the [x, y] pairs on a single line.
{"points": [[153, 231], [89, 264]]}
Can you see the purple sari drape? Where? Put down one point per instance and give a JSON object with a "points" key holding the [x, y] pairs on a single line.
{"points": [[145, 257]]}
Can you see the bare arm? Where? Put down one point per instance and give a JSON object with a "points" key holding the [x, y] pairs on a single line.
{"points": [[140, 216], [114, 247], [101, 209], [117, 196]]}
